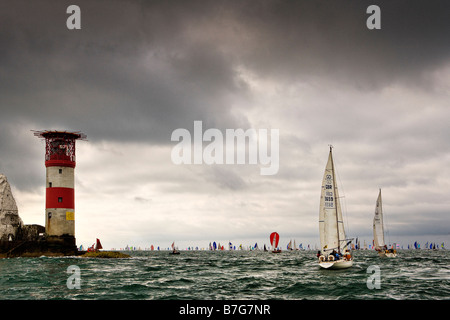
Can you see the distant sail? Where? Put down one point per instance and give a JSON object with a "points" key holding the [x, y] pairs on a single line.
{"points": [[378, 227], [274, 238], [98, 245], [289, 245]]}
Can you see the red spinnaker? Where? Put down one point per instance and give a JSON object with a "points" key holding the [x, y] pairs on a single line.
{"points": [[98, 246], [274, 238]]}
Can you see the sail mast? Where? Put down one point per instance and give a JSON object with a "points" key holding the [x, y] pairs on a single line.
{"points": [[335, 200]]}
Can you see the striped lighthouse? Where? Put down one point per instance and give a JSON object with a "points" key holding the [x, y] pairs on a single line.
{"points": [[60, 183]]}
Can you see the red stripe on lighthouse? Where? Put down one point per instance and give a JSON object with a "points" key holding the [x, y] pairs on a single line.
{"points": [[59, 197], [60, 163]]}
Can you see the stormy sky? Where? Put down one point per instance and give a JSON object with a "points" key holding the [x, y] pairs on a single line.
{"points": [[138, 70]]}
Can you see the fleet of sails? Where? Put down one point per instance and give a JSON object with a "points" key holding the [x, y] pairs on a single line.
{"points": [[335, 247]]}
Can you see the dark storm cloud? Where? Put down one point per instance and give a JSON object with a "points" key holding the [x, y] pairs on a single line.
{"points": [[121, 77], [137, 70], [330, 39], [20, 155]]}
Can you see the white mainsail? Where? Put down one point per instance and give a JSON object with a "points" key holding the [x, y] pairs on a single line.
{"points": [[331, 225], [378, 229]]}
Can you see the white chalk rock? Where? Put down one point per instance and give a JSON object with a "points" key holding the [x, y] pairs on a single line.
{"points": [[10, 221]]}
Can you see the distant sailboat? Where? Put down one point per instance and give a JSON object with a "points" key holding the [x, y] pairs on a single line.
{"points": [[98, 245], [333, 242], [378, 231], [174, 249], [289, 245], [274, 239]]}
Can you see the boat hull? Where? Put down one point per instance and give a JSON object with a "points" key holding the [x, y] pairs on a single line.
{"points": [[334, 265], [387, 254]]}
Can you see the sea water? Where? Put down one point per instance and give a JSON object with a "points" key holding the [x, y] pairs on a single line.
{"points": [[227, 275]]}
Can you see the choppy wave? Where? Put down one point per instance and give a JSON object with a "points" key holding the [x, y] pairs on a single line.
{"points": [[242, 275]]}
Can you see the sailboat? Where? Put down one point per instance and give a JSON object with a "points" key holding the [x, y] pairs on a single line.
{"points": [[98, 245], [274, 238], [174, 249], [289, 245], [378, 232], [333, 242]]}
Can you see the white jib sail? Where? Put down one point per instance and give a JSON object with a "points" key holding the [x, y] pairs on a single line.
{"points": [[378, 229], [331, 225]]}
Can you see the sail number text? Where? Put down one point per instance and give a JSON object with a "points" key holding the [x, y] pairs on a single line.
{"points": [[328, 197]]}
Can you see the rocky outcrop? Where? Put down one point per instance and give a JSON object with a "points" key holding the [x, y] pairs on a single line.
{"points": [[10, 222], [19, 240], [36, 248], [31, 232]]}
